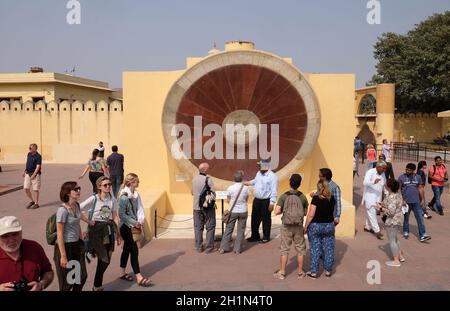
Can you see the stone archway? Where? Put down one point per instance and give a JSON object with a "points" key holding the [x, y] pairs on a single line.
{"points": [[366, 135]]}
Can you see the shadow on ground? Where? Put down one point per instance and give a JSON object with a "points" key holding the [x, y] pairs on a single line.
{"points": [[339, 252], [147, 270]]}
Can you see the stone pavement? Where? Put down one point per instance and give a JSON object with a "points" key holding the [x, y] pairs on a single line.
{"points": [[173, 264]]}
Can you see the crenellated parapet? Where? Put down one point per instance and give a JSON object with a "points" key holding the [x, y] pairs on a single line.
{"points": [[66, 105], [416, 115]]}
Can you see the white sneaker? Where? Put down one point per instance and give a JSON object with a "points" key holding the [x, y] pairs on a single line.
{"points": [[402, 259], [425, 238], [393, 264]]}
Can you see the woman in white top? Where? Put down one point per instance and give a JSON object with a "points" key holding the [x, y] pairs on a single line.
{"points": [[103, 220], [237, 200]]}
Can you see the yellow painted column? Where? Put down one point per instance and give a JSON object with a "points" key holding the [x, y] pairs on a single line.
{"points": [[385, 112]]}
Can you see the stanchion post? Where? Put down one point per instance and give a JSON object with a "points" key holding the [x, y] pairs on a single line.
{"points": [[156, 222], [222, 217]]}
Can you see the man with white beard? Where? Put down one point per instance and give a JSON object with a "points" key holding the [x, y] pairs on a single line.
{"points": [[23, 263], [374, 182]]}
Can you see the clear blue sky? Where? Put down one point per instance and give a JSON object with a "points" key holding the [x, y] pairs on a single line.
{"points": [[322, 36]]}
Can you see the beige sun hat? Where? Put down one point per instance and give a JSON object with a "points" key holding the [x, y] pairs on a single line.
{"points": [[9, 224]]}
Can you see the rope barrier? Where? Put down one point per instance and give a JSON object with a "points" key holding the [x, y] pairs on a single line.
{"points": [[175, 220], [247, 227]]}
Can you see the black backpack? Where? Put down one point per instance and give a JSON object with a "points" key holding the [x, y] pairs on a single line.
{"points": [[207, 197]]}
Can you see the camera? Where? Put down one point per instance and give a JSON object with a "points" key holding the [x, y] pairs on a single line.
{"points": [[21, 286]]}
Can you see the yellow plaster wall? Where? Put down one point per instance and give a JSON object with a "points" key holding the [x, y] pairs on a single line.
{"points": [[27, 91], [147, 155], [63, 136], [74, 92], [423, 129]]}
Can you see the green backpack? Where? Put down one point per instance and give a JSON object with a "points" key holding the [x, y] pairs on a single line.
{"points": [[50, 230], [293, 209]]}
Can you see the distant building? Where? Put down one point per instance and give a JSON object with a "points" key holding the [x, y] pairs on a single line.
{"points": [[37, 85]]}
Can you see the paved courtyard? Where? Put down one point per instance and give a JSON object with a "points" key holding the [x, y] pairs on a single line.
{"points": [[173, 264]]}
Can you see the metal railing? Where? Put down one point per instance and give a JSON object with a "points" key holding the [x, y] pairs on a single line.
{"points": [[415, 152]]}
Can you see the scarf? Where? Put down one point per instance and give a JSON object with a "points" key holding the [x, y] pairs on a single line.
{"points": [[137, 198]]}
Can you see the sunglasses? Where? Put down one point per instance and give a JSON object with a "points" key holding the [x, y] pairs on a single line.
{"points": [[77, 189], [107, 185]]}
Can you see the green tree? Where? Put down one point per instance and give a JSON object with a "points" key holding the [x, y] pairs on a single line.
{"points": [[418, 63]]}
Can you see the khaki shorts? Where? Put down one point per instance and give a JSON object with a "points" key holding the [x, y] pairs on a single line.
{"points": [[289, 234], [35, 183]]}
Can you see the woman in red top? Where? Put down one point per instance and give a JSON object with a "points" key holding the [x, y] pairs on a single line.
{"points": [[371, 155]]}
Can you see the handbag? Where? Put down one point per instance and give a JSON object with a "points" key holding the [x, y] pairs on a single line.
{"points": [[227, 214], [137, 234]]}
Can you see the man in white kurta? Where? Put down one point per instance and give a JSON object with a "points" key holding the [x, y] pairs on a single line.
{"points": [[374, 182]]}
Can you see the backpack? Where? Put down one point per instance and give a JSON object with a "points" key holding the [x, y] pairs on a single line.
{"points": [[50, 230], [293, 209], [207, 197]]}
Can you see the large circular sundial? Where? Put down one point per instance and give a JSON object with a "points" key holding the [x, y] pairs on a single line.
{"points": [[256, 93]]}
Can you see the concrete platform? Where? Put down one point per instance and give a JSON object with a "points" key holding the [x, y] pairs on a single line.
{"points": [[173, 264]]}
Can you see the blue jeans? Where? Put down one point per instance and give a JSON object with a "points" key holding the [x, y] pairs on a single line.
{"points": [[418, 213], [321, 243], [437, 191], [116, 181]]}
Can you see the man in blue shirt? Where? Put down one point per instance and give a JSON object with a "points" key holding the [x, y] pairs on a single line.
{"points": [[32, 176], [411, 185], [265, 193]]}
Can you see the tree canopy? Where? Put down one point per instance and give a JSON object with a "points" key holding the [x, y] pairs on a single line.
{"points": [[418, 63]]}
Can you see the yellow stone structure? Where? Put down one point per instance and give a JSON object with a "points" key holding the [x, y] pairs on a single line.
{"points": [[65, 115], [375, 108], [375, 117], [66, 128], [148, 96]]}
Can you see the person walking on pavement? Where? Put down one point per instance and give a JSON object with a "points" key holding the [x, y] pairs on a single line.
{"points": [[422, 172], [115, 166], [437, 176], [32, 176], [411, 186], [374, 182]]}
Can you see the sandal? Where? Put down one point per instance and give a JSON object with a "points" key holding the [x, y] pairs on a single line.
{"points": [[301, 275], [312, 275], [126, 277], [145, 282], [277, 274]]}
